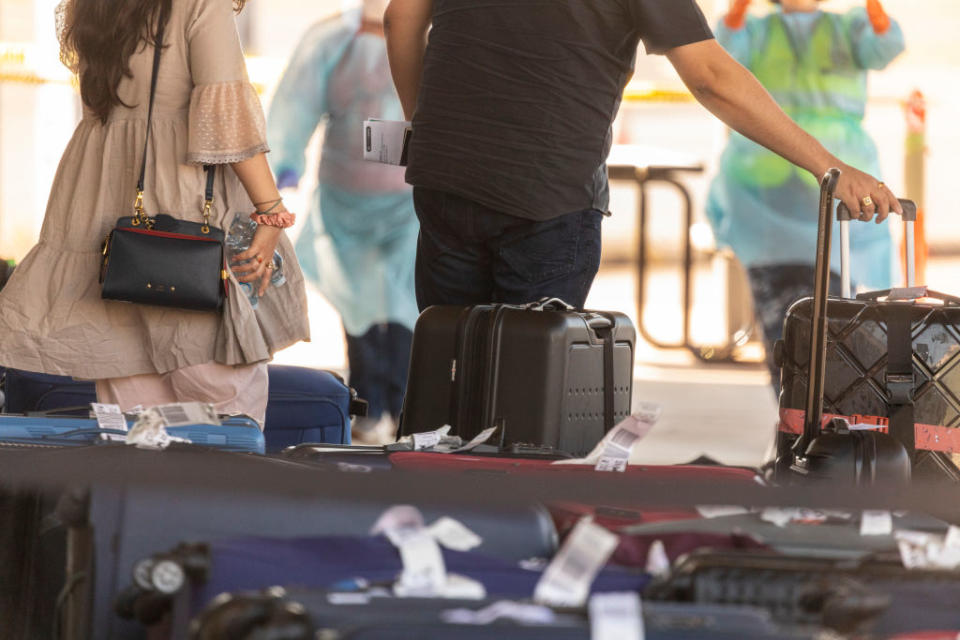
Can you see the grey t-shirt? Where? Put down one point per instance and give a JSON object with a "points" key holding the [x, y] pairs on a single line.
{"points": [[517, 96]]}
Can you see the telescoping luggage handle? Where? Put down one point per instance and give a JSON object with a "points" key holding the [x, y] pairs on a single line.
{"points": [[909, 220], [899, 370], [818, 318]]}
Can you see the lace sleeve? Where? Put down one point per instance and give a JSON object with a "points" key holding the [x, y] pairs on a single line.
{"points": [[226, 123]]}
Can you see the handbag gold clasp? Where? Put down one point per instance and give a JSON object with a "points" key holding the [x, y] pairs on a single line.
{"points": [[138, 209], [207, 206]]}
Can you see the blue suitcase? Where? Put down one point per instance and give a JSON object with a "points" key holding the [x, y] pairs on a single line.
{"points": [[308, 405], [126, 520], [226, 566], [27, 392], [304, 405], [237, 433]]}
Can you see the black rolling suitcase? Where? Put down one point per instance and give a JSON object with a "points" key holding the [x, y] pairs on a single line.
{"points": [[545, 373], [304, 614], [890, 361]]}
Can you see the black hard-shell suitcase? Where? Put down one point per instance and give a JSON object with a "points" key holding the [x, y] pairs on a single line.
{"points": [[306, 614], [545, 373], [889, 361], [875, 595]]}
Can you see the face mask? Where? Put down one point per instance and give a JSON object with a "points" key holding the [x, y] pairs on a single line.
{"points": [[373, 9]]}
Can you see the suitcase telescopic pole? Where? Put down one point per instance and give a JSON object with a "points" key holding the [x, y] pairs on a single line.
{"points": [[818, 320]]}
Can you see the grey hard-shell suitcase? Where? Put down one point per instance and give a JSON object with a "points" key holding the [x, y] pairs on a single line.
{"points": [[545, 373]]}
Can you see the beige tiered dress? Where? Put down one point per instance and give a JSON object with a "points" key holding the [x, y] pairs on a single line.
{"points": [[52, 318]]}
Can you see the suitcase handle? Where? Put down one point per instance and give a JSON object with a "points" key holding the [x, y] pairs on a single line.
{"points": [[818, 317], [549, 304], [913, 293], [909, 222]]}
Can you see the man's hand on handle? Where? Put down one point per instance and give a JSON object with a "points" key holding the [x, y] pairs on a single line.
{"points": [[864, 193], [735, 96]]}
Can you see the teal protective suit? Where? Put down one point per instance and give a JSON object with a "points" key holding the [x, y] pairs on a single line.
{"points": [[359, 242], [815, 66]]}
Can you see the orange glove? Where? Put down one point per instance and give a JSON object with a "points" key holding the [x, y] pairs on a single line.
{"points": [[737, 16], [878, 17]]}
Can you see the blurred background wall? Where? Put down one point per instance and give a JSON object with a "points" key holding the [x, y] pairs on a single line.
{"points": [[39, 109]]}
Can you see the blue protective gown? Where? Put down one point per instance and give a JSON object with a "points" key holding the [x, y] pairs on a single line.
{"points": [[815, 66], [359, 242]]}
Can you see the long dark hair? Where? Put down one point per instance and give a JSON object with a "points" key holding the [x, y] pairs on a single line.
{"points": [[97, 38]]}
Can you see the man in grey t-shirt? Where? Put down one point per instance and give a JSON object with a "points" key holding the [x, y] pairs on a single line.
{"points": [[512, 104]]}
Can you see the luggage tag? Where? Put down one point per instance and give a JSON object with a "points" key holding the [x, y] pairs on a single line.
{"points": [[479, 439], [522, 613], [454, 535], [658, 562], [876, 523], [616, 616], [185, 414], [149, 431], [424, 572], [613, 452], [921, 550], [109, 416], [429, 439], [567, 579]]}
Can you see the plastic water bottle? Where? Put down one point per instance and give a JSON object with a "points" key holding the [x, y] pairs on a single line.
{"points": [[238, 240]]}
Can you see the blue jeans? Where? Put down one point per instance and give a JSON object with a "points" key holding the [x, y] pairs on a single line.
{"points": [[470, 254], [775, 288], [378, 361]]}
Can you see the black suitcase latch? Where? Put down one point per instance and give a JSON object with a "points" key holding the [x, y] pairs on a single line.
{"points": [[901, 388]]}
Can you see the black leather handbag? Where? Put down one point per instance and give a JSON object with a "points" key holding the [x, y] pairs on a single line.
{"points": [[162, 260]]}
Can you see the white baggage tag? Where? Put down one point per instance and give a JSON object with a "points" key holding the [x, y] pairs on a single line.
{"points": [[612, 453], [566, 581], [527, 614], [453, 534], [876, 523], [109, 416], [185, 414], [658, 562], [720, 510], [149, 432], [424, 572], [429, 439], [478, 440], [952, 540], [616, 616]]}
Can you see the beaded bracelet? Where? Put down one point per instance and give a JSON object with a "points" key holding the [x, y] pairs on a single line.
{"points": [[283, 220]]}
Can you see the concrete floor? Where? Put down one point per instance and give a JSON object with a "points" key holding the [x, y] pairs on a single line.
{"points": [[723, 411]]}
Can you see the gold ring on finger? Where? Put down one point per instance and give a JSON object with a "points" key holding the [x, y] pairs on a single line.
{"points": [[882, 185], [269, 266], [867, 201]]}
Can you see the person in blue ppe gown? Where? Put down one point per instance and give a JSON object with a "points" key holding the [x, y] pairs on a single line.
{"points": [[358, 245], [815, 65]]}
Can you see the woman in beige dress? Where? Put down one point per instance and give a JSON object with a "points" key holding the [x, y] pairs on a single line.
{"points": [[52, 318]]}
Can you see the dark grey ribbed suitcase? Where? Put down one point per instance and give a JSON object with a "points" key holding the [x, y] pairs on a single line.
{"points": [[306, 614], [545, 373]]}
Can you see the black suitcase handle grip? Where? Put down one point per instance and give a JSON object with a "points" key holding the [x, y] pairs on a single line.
{"points": [[909, 211], [915, 293], [549, 304]]}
